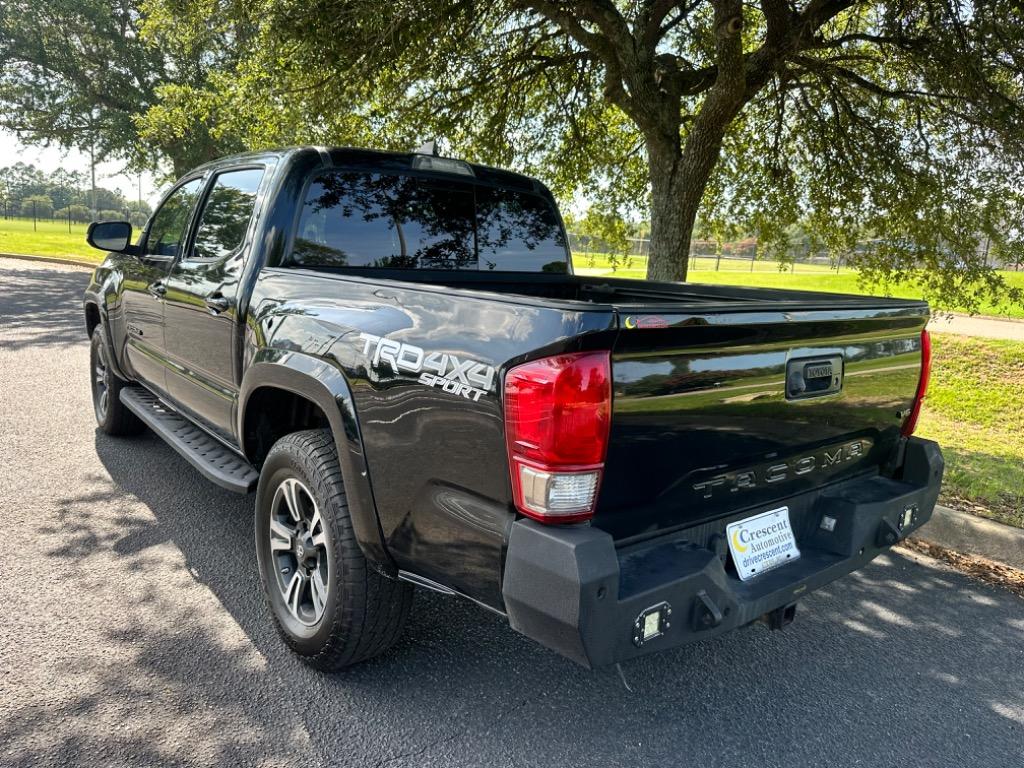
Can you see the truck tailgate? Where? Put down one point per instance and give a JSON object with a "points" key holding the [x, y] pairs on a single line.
{"points": [[719, 413]]}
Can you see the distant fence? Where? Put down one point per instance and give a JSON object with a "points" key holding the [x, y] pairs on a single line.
{"points": [[72, 218], [732, 256]]}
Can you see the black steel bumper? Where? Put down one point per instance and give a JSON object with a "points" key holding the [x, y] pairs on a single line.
{"points": [[573, 591]]}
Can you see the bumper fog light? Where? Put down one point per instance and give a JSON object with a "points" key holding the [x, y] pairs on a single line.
{"points": [[651, 623]]}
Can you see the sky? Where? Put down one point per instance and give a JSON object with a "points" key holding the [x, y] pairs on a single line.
{"points": [[109, 175]]}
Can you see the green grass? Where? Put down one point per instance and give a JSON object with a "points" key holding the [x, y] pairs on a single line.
{"points": [[808, 277], [637, 265], [50, 238], [975, 411]]}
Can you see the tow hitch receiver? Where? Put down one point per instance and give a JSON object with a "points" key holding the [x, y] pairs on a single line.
{"points": [[781, 617]]}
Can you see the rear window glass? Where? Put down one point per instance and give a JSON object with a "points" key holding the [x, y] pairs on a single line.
{"points": [[517, 231], [358, 219]]}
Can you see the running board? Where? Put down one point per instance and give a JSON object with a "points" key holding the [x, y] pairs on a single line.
{"points": [[214, 460]]}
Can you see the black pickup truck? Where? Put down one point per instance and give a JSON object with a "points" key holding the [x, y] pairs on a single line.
{"points": [[393, 351]]}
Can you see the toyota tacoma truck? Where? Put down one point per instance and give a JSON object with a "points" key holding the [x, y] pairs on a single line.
{"points": [[393, 353]]}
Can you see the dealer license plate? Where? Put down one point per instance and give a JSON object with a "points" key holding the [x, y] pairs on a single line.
{"points": [[762, 542]]}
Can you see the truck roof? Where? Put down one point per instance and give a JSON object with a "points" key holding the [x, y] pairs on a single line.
{"points": [[381, 160]]}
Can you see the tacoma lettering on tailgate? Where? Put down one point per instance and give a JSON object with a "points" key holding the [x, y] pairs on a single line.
{"points": [[770, 473]]}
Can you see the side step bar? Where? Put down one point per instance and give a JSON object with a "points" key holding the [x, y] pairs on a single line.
{"points": [[217, 462]]}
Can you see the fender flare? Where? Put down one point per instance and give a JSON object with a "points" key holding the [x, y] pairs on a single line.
{"points": [[95, 300], [324, 384]]}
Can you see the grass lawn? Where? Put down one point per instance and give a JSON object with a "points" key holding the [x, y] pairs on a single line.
{"points": [[975, 411], [809, 277], [51, 238]]}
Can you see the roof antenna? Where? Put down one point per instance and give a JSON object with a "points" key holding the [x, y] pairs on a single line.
{"points": [[428, 148]]}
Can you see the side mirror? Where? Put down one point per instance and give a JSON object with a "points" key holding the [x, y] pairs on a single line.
{"points": [[110, 236]]}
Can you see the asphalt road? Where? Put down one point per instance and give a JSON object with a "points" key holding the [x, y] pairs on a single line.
{"points": [[132, 633]]}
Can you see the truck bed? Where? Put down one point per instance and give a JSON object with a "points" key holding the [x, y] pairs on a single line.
{"points": [[611, 292]]}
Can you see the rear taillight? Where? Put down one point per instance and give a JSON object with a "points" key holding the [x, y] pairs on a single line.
{"points": [[922, 384], [557, 413]]}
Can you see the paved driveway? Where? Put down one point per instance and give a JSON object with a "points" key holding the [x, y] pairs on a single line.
{"points": [[979, 325], [132, 633]]}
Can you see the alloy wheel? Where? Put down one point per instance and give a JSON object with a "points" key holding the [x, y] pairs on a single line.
{"points": [[101, 383], [298, 551]]}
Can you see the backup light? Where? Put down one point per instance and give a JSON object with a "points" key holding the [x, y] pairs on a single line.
{"points": [[557, 415], [922, 384]]}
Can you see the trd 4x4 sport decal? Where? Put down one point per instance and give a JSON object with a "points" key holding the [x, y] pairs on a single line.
{"points": [[469, 378]]}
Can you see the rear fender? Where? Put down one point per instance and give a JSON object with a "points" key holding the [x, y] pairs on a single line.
{"points": [[323, 384]]}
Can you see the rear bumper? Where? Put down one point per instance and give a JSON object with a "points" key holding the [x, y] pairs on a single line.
{"points": [[573, 591]]}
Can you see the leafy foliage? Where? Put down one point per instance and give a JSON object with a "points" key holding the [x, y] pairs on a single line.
{"points": [[37, 206], [54, 192], [890, 132], [79, 73]]}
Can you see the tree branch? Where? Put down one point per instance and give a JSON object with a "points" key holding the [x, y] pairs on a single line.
{"points": [[830, 68]]}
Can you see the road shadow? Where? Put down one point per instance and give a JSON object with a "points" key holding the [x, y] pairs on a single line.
{"points": [[900, 664], [40, 306]]}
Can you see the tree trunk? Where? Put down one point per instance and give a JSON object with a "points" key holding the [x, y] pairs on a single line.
{"points": [[679, 176], [678, 180], [674, 205]]}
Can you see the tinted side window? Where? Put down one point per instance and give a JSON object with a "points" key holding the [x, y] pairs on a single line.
{"points": [[167, 230], [352, 219], [226, 213], [518, 232]]}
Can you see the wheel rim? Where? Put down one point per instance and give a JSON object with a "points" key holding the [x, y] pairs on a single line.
{"points": [[298, 552], [100, 383]]}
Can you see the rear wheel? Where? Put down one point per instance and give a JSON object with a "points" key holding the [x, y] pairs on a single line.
{"points": [[112, 416], [329, 605]]}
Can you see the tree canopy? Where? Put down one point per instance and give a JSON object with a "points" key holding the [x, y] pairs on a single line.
{"points": [[889, 132], [78, 73]]}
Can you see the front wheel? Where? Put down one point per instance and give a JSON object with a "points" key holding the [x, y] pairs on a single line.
{"points": [[112, 416], [330, 607]]}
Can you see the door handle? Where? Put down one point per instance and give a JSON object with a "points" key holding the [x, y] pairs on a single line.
{"points": [[217, 303], [157, 289]]}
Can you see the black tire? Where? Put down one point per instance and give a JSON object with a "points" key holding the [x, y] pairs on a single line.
{"points": [[112, 416], [359, 613]]}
